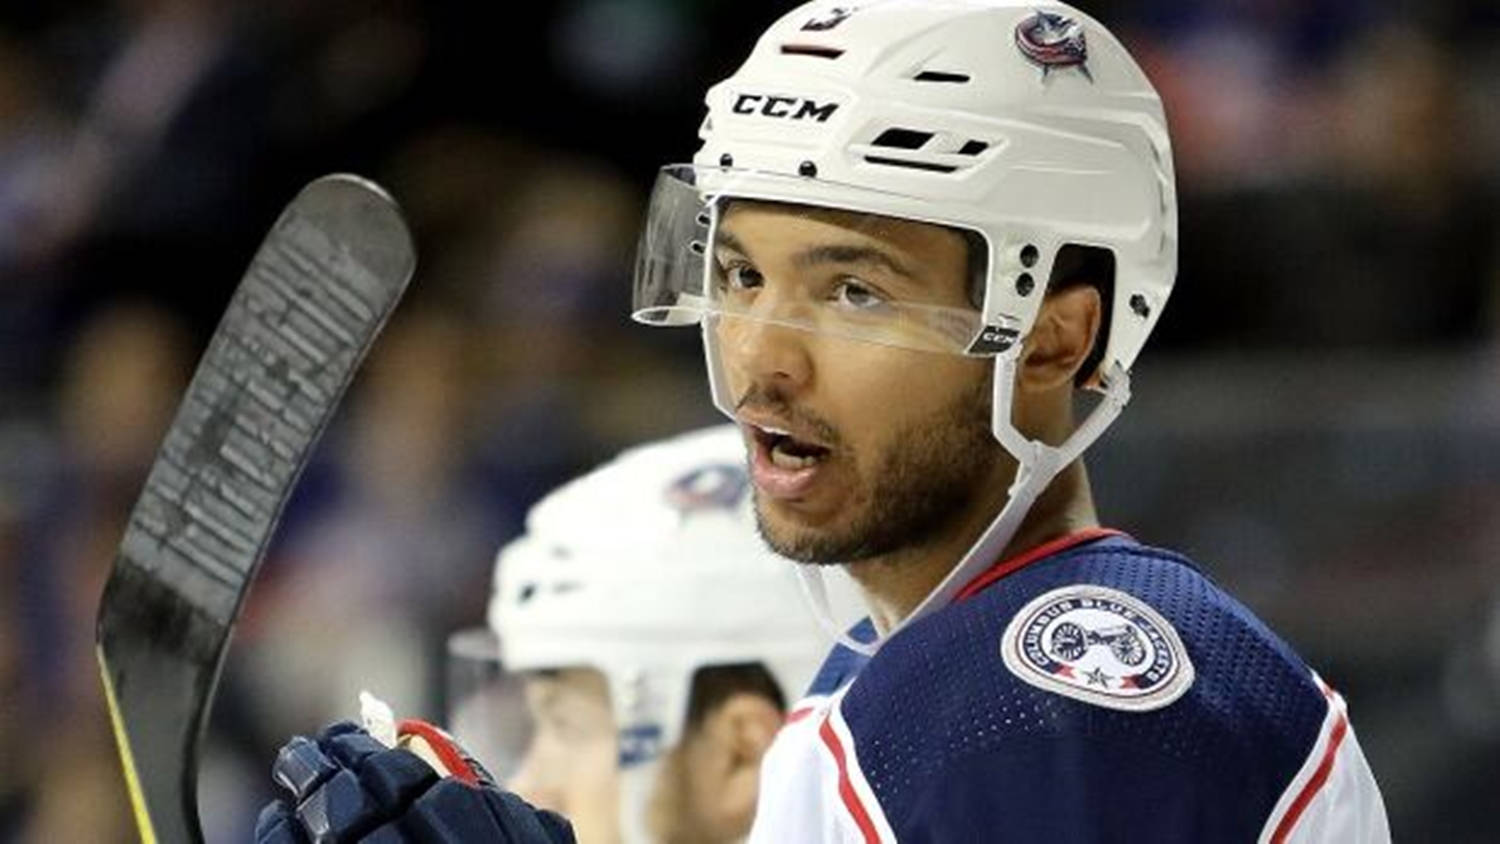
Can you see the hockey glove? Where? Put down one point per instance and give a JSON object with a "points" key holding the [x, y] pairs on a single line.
{"points": [[346, 786]]}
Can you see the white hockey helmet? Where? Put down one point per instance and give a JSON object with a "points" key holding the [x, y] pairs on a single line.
{"points": [[1025, 123], [648, 569]]}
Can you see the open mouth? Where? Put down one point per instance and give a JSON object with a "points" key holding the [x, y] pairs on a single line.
{"points": [[788, 452]]}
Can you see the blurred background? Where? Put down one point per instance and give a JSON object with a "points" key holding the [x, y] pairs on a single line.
{"points": [[1318, 419]]}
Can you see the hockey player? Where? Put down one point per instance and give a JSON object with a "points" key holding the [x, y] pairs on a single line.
{"points": [[657, 642], [915, 233], [915, 228]]}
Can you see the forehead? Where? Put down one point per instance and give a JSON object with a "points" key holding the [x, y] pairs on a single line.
{"points": [[778, 226], [570, 685]]}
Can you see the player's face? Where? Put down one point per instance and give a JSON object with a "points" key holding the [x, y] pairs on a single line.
{"points": [[708, 784], [857, 449], [571, 764]]}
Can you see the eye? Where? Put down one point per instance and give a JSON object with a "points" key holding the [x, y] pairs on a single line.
{"points": [[853, 293], [738, 275]]}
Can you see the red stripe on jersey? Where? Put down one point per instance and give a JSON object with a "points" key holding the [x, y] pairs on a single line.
{"points": [[797, 715], [846, 786], [1319, 777], [1026, 558]]}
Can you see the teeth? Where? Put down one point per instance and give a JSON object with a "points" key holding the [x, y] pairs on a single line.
{"points": [[774, 431], [783, 460]]}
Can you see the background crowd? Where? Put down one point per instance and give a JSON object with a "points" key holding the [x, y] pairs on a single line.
{"points": [[1317, 419]]}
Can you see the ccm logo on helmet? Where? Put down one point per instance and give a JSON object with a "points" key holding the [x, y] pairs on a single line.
{"points": [[787, 108]]}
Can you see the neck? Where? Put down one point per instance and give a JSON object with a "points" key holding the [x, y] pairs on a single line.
{"points": [[894, 584]]}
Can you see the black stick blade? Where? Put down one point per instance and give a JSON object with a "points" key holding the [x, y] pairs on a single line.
{"points": [[317, 293]]}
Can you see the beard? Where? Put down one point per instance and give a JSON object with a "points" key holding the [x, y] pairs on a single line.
{"points": [[936, 467]]}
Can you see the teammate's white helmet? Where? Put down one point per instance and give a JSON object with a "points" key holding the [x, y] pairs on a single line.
{"points": [[1027, 124], [648, 569]]}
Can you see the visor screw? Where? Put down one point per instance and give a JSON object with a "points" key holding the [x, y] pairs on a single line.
{"points": [[1025, 284], [1139, 306], [726, 160], [1029, 254], [808, 169]]}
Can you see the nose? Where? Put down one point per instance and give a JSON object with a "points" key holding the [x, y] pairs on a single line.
{"points": [[766, 353]]}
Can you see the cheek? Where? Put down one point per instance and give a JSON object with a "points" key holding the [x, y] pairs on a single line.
{"points": [[727, 334], [594, 772], [871, 392], [593, 784], [602, 760]]}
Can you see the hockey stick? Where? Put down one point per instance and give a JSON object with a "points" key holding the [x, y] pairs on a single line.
{"points": [[317, 293]]}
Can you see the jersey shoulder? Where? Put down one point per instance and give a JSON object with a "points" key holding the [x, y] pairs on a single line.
{"points": [[842, 664], [1108, 669]]}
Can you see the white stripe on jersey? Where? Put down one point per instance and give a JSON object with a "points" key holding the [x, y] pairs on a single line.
{"points": [[803, 796], [856, 797]]}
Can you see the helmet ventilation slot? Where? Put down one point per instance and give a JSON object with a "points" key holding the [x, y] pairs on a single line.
{"points": [[972, 147], [902, 138], [941, 76], [811, 50], [929, 166]]}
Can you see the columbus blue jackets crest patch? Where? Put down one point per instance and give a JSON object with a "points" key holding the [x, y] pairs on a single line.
{"points": [[1098, 645]]}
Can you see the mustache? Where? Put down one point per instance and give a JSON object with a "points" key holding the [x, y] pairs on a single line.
{"points": [[772, 401]]}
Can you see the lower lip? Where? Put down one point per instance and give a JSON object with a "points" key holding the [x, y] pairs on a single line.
{"points": [[776, 482]]}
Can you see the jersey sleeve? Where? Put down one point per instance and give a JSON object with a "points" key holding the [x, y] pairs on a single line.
{"points": [[1334, 796]]}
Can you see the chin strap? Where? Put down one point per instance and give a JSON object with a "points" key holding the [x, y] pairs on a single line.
{"points": [[1037, 463], [816, 592]]}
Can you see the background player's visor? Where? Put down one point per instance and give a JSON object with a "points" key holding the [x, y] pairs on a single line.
{"points": [[530, 728], [734, 248], [486, 705]]}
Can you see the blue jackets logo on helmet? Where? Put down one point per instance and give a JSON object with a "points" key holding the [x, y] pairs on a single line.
{"points": [[716, 486], [1051, 41], [832, 18]]}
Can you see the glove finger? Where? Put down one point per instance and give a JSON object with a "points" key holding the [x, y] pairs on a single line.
{"points": [[387, 834], [525, 822], [337, 729], [454, 813], [395, 777], [559, 829], [301, 766], [351, 749], [339, 810], [276, 825]]}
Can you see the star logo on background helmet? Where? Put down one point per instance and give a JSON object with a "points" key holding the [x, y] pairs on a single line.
{"points": [[1051, 40], [832, 18]]}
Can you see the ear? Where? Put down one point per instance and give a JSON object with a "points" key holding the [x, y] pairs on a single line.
{"points": [[726, 760], [1061, 340]]}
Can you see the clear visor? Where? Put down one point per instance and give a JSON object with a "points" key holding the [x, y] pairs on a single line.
{"points": [[486, 706], [727, 246], [530, 728]]}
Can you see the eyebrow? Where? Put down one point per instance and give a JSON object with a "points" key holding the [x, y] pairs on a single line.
{"points": [[832, 253]]}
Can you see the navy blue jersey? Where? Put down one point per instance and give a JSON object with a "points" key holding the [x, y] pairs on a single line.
{"points": [[1094, 689]]}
